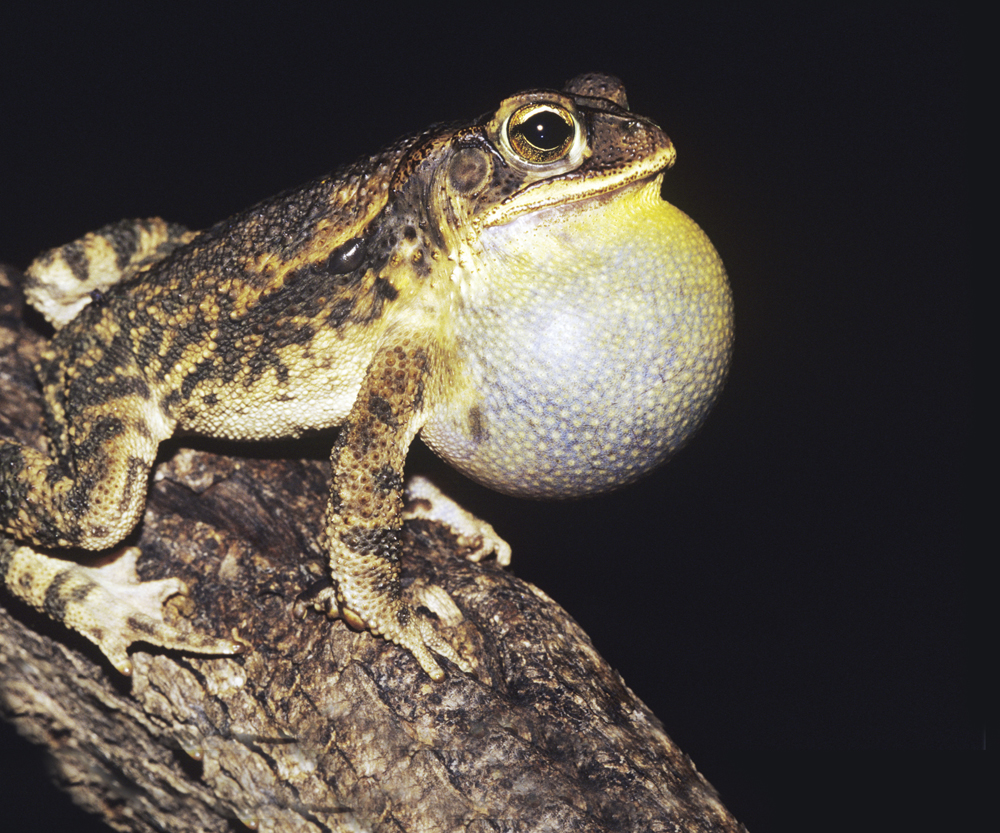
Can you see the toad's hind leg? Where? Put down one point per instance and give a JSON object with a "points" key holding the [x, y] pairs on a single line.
{"points": [[364, 516]]}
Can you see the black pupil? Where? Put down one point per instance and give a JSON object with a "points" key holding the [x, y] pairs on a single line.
{"points": [[545, 131]]}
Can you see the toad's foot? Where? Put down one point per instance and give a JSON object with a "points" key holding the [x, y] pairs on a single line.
{"points": [[425, 500], [404, 625], [108, 604]]}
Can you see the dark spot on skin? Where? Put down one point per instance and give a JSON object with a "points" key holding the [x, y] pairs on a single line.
{"points": [[410, 233], [210, 399], [80, 591], [403, 616], [421, 367], [366, 313], [384, 290], [418, 396], [387, 480], [170, 402], [141, 427], [105, 429], [75, 256], [381, 542], [381, 409], [194, 333], [203, 371], [141, 625], [126, 348], [123, 238], [477, 425], [420, 359], [77, 502], [96, 297], [137, 469], [56, 599], [364, 437]]}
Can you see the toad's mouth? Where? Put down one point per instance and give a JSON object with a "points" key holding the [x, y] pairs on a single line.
{"points": [[575, 189]]}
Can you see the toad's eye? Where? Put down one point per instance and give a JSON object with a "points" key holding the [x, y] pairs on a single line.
{"points": [[541, 133]]}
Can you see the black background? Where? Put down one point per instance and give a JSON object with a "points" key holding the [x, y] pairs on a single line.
{"points": [[794, 595]]}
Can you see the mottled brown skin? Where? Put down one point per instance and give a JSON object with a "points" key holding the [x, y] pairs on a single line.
{"points": [[397, 295]]}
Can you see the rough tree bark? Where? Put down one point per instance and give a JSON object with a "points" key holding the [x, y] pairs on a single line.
{"points": [[316, 727]]}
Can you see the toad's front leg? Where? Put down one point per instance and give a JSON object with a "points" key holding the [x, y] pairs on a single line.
{"points": [[364, 516]]}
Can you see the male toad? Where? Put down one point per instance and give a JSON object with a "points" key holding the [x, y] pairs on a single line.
{"points": [[513, 288]]}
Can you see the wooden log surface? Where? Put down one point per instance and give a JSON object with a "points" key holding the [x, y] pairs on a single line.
{"points": [[318, 727]]}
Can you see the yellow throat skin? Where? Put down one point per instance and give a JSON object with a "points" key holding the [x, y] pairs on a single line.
{"points": [[610, 328]]}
